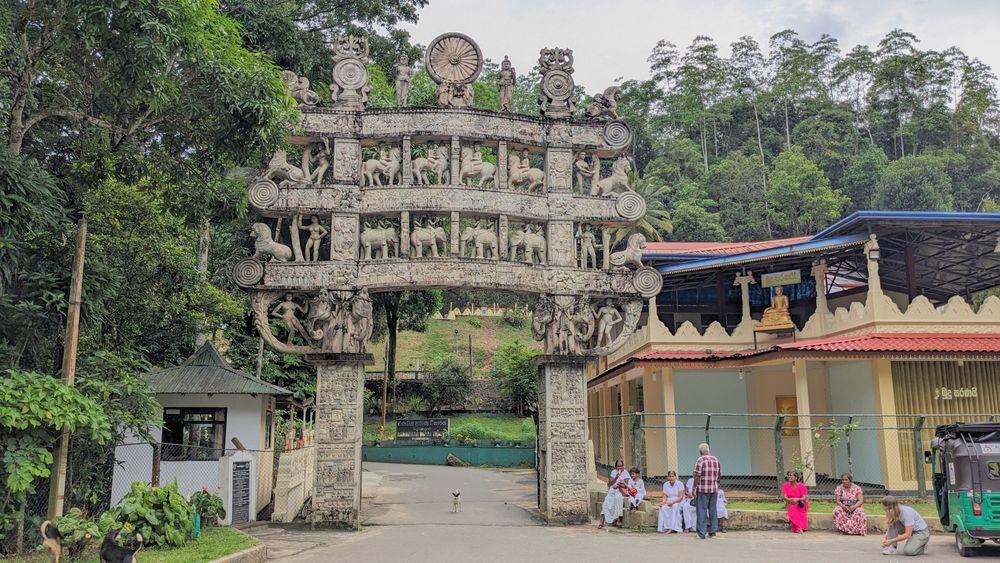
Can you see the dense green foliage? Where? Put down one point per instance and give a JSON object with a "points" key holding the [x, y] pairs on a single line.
{"points": [[515, 376], [446, 384], [209, 506], [161, 514], [77, 532]]}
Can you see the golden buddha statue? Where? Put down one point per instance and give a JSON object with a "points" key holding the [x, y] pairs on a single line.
{"points": [[776, 316]]}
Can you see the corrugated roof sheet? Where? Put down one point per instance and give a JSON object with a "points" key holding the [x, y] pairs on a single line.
{"points": [[716, 248], [208, 372]]}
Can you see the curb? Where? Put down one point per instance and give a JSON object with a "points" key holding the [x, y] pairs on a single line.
{"points": [[255, 554]]}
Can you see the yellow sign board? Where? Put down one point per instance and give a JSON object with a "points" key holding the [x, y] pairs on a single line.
{"points": [[774, 279]]}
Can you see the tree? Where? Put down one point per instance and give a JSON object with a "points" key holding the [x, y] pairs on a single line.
{"points": [[861, 177], [695, 215], [515, 376], [802, 201], [914, 183], [736, 184], [446, 384], [403, 310]]}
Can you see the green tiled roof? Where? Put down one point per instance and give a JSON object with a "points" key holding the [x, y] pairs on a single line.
{"points": [[208, 372]]}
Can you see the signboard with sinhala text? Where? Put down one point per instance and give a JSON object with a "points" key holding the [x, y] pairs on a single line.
{"points": [[421, 428], [774, 279]]}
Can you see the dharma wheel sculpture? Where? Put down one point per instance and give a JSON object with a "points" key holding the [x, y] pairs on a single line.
{"points": [[375, 200]]}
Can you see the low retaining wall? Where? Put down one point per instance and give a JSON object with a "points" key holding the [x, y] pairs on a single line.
{"points": [[294, 483], [437, 454]]}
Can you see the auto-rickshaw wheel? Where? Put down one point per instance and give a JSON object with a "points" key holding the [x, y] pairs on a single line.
{"points": [[963, 549]]}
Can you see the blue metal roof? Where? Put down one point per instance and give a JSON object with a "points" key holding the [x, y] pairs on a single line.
{"points": [[759, 255], [859, 218]]}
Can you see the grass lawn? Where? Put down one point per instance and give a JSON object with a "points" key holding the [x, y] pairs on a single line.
{"points": [[501, 427], [213, 543], [827, 506]]}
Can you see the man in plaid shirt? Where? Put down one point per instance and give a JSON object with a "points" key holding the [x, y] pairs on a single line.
{"points": [[706, 490]]}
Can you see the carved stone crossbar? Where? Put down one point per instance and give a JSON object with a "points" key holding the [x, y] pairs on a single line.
{"points": [[605, 139]]}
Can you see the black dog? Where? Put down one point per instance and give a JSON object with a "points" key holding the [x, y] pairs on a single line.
{"points": [[111, 552]]}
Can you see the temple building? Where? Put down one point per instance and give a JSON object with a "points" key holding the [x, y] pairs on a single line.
{"points": [[883, 319]]}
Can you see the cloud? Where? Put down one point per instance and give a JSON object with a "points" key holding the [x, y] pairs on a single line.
{"points": [[611, 39]]}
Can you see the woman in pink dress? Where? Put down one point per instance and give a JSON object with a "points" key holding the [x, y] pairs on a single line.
{"points": [[795, 494], [848, 516]]}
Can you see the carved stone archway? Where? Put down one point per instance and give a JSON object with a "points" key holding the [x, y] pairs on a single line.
{"points": [[413, 198]]}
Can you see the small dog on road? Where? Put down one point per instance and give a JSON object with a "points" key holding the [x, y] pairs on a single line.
{"points": [[456, 501]]}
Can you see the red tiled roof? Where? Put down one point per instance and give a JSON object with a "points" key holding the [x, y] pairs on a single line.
{"points": [[901, 342], [715, 248]]}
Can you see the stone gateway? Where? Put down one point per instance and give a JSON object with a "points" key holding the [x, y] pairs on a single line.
{"points": [[439, 197]]}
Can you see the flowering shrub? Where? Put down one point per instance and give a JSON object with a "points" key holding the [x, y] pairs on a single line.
{"points": [[77, 531], [209, 506]]}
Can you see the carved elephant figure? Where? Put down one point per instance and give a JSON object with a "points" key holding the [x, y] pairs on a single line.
{"points": [[377, 241], [483, 242], [266, 247], [484, 173], [533, 245], [428, 237]]}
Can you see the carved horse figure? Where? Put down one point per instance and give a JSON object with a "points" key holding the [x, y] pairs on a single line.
{"points": [[387, 164], [428, 236], [532, 243], [483, 172], [378, 240], [265, 247], [521, 173], [435, 162], [483, 239], [618, 180]]}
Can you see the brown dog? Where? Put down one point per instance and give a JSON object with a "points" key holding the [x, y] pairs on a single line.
{"points": [[51, 539]]}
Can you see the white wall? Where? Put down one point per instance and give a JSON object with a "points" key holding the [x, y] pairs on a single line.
{"points": [[244, 420], [852, 391], [712, 392]]}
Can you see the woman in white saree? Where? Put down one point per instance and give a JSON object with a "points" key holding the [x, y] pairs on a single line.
{"points": [[670, 519], [614, 502]]}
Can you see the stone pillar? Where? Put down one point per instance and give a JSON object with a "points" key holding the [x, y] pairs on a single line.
{"points": [[560, 240], [503, 232], [885, 404], [558, 170], [819, 276], [407, 165], [661, 443], [562, 438], [502, 163], [456, 157], [744, 282], [344, 236], [456, 230], [347, 161], [806, 452], [605, 248], [607, 410], [404, 233], [340, 382], [623, 428]]}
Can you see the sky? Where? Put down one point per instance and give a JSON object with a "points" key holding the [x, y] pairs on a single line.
{"points": [[611, 39]]}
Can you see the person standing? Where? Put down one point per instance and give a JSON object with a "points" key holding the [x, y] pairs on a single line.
{"points": [[706, 485]]}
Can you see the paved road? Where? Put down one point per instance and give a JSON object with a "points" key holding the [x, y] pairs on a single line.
{"points": [[410, 519]]}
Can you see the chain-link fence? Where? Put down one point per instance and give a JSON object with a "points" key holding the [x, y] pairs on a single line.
{"points": [[255, 484], [883, 453]]}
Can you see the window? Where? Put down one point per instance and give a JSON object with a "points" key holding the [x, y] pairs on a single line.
{"points": [[993, 468], [193, 434]]}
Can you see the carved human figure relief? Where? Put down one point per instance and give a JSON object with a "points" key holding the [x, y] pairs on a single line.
{"points": [[298, 88], [476, 171], [428, 237], [386, 164], [587, 169], [378, 239], [433, 169], [506, 79], [288, 310], [522, 174], [404, 74], [318, 154], [316, 234], [360, 322], [608, 318], [616, 182], [265, 247], [588, 246], [529, 243], [604, 105]]}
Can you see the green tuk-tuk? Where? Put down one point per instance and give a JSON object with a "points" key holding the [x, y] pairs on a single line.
{"points": [[966, 465]]}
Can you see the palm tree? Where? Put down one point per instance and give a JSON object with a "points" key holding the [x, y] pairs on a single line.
{"points": [[657, 221]]}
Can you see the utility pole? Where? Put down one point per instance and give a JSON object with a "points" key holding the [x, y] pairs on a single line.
{"points": [[385, 390], [470, 355], [57, 488]]}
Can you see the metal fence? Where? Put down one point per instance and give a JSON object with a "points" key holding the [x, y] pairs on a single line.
{"points": [[282, 482], [883, 453]]}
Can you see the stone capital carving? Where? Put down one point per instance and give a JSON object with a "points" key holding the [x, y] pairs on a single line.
{"points": [[556, 99], [349, 88]]}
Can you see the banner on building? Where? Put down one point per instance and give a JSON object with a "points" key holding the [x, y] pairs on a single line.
{"points": [[774, 279]]}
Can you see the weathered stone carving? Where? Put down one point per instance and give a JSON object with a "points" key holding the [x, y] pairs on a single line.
{"points": [[341, 320], [632, 254], [529, 243], [316, 234], [428, 236], [404, 74], [376, 241], [288, 311], [571, 325], [298, 88], [617, 181], [283, 171], [522, 174], [454, 61], [608, 318], [436, 162], [344, 237], [587, 242], [387, 164], [506, 79], [265, 247], [604, 105], [556, 98], [588, 171], [349, 89], [479, 241], [248, 272], [475, 168]]}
